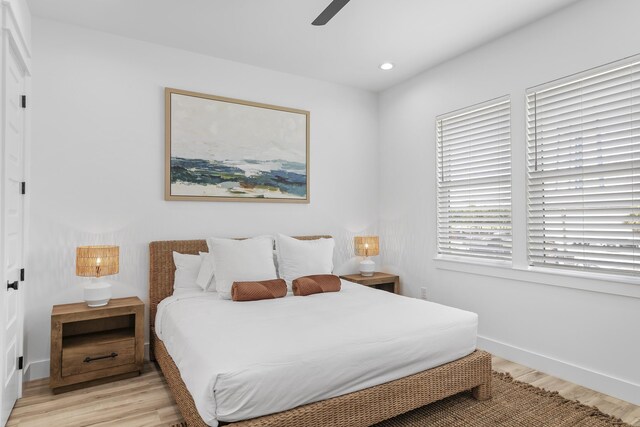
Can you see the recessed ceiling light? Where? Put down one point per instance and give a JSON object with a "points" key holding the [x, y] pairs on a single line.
{"points": [[386, 66]]}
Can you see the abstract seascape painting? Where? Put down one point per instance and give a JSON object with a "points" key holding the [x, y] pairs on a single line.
{"points": [[223, 149]]}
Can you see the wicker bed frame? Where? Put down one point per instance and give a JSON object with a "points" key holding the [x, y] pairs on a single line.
{"points": [[360, 408]]}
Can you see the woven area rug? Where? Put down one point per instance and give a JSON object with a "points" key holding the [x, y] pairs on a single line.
{"points": [[514, 403]]}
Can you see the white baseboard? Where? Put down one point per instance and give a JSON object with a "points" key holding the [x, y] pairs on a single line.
{"points": [[36, 370], [40, 368], [598, 381]]}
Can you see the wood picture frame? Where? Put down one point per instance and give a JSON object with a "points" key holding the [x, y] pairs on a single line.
{"points": [[231, 150]]}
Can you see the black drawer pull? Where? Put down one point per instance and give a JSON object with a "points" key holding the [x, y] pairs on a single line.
{"points": [[91, 359]]}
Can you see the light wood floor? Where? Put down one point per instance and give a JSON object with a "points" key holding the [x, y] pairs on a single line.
{"points": [[146, 401]]}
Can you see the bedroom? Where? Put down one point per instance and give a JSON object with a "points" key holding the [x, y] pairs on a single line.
{"points": [[95, 159]]}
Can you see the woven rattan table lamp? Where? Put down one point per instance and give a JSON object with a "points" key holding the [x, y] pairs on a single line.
{"points": [[97, 262], [367, 246]]}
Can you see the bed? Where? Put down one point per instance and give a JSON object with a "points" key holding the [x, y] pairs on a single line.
{"points": [[357, 403]]}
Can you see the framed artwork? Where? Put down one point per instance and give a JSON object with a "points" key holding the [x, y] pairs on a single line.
{"points": [[224, 149]]}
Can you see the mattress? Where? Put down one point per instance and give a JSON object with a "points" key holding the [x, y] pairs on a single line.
{"points": [[241, 360]]}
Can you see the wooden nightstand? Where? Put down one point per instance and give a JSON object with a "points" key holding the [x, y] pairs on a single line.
{"points": [[95, 345], [388, 282]]}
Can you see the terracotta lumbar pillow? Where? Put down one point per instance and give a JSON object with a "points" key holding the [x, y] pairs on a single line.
{"points": [[253, 291], [316, 284]]}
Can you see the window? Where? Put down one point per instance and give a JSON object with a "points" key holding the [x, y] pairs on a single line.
{"points": [[583, 137], [474, 181]]}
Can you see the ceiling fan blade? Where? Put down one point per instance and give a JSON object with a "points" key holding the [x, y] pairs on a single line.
{"points": [[326, 15]]}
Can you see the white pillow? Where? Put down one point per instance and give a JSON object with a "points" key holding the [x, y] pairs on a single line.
{"points": [[206, 279], [241, 260], [297, 258], [275, 262], [188, 292], [187, 269]]}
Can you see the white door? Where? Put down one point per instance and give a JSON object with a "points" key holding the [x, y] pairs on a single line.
{"points": [[12, 226]]}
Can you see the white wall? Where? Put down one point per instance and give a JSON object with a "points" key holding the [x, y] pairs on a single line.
{"points": [[98, 162], [588, 337]]}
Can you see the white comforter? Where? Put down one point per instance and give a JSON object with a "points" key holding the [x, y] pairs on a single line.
{"points": [[241, 360]]}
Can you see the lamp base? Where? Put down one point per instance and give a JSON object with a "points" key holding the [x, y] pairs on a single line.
{"points": [[367, 267], [97, 294]]}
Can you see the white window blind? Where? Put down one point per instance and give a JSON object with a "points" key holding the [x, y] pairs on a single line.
{"points": [[584, 171], [474, 181]]}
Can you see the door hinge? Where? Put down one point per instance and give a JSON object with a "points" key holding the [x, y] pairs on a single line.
{"points": [[23, 187], [20, 362], [24, 101], [22, 274]]}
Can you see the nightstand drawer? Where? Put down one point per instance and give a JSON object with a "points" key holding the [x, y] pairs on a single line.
{"points": [[84, 353]]}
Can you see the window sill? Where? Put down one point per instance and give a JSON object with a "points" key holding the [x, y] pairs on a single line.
{"points": [[459, 260], [591, 282]]}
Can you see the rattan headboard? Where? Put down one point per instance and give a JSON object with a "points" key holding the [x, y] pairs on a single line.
{"points": [[162, 268]]}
